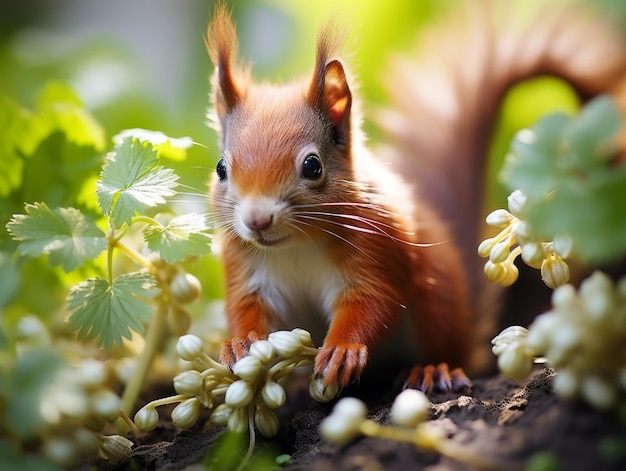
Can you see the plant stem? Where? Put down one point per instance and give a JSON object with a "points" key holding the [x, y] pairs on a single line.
{"points": [[133, 255], [154, 336]]}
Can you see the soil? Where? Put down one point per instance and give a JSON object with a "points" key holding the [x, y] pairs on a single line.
{"points": [[509, 427]]}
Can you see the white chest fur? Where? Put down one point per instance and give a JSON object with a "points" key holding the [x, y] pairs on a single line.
{"points": [[300, 283]]}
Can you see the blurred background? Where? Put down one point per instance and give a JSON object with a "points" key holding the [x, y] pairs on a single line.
{"points": [[143, 64]]}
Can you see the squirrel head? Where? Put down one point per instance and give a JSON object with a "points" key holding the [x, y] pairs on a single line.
{"points": [[281, 147]]}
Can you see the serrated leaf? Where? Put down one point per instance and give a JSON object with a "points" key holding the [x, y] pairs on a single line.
{"points": [[183, 237], [131, 180], [171, 147], [64, 234], [108, 312]]}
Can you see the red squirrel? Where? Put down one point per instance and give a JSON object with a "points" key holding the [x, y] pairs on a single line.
{"points": [[316, 232]]}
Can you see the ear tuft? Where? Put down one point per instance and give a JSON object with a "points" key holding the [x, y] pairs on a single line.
{"points": [[329, 92], [222, 45]]}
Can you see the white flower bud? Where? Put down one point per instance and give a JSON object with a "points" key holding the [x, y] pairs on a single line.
{"points": [[115, 448], [532, 254], [514, 362], [221, 414], [410, 408], [516, 202], [495, 272], [507, 337], [499, 218], [540, 332], [564, 296], [262, 350], [511, 274], [304, 336], [91, 373], [187, 413], [566, 384], [523, 232], [146, 418], [60, 450], [500, 252], [239, 394], [286, 344], [105, 403], [484, 249], [188, 382], [344, 423], [598, 392], [321, 393], [554, 271], [248, 368], [178, 320], [597, 294], [265, 421], [185, 288], [238, 421], [563, 245], [564, 340], [189, 347], [273, 394]]}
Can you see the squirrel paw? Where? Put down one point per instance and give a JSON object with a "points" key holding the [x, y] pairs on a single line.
{"points": [[341, 363], [437, 378], [236, 348]]}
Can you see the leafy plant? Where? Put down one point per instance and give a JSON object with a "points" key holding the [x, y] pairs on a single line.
{"points": [[132, 187]]}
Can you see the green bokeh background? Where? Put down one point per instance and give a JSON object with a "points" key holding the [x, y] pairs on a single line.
{"points": [[142, 63]]}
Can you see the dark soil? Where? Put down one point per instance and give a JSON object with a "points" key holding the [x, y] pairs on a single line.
{"points": [[509, 426]]}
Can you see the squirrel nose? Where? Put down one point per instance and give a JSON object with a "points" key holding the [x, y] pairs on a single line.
{"points": [[257, 221]]}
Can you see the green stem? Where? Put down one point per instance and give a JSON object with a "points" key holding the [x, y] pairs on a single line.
{"points": [[251, 444], [133, 255], [154, 336]]}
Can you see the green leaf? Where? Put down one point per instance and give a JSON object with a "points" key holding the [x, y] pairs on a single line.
{"points": [[20, 134], [63, 111], [171, 147], [107, 311], [131, 180], [63, 233], [575, 185], [183, 237]]}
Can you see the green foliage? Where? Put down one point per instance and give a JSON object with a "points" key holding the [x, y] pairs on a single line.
{"points": [[132, 180], [65, 234], [22, 386], [183, 237], [106, 310], [567, 169]]}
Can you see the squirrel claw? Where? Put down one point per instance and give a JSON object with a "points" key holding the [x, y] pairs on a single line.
{"points": [[341, 363], [437, 378], [236, 348]]}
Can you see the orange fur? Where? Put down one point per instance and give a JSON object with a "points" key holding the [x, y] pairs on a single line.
{"points": [[344, 248]]}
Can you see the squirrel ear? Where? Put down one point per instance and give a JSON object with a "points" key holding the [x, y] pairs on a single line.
{"points": [[329, 92], [222, 46]]}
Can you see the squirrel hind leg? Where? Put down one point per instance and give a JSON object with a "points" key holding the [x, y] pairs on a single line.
{"points": [[437, 378]]}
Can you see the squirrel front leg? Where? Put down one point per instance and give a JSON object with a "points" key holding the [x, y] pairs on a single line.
{"points": [[352, 333]]}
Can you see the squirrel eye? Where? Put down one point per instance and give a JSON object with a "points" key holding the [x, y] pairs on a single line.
{"points": [[312, 167], [220, 169]]}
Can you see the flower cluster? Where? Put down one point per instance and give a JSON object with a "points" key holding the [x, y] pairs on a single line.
{"points": [[516, 238], [409, 413], [75, 406], [581, 337], [242, 399]]}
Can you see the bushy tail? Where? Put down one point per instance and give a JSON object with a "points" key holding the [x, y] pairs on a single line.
{"points": [[445, 100]]}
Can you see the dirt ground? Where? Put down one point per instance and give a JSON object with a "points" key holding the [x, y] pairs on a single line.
{"points": [[509, 426]]}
